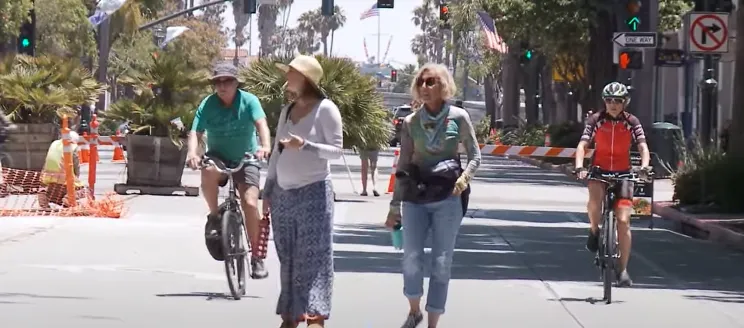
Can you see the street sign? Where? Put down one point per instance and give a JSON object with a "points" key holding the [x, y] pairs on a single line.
{"points": [[635, 39], [670, 58], [708, 33]]}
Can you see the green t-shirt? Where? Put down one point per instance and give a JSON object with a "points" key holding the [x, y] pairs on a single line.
{"points": [[231, 130]]}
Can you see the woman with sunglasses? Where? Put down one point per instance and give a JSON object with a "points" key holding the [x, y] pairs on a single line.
{"points": [[429, 201], [300, 195]]}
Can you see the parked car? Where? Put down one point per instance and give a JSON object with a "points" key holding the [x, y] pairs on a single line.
{"points": [[399, 114]]}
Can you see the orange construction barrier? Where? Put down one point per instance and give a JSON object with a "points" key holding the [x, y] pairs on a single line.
{"points": [[118, 151], [93, 166], [85, 149], [391, 183], [35, 193], [67, 162]]}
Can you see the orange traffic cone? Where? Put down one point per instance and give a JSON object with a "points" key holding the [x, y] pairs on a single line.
{"points": [[391, 183], [118, 151], [85, 149]]}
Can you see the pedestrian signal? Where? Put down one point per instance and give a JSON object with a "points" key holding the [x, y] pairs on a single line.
{"points": [[631, 59]]}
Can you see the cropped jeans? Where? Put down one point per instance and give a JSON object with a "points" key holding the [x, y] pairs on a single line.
{"points": [[443, 219]]}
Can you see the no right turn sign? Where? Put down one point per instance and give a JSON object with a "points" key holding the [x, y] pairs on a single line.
{"points": [[708, 33]]}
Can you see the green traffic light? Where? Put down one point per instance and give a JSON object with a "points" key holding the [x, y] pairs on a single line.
{"points": [[633, 23], [25, 42], [528, 54]]}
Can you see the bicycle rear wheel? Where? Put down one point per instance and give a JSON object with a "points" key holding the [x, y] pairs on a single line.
{"points": [[609, 241], [234, 248]]}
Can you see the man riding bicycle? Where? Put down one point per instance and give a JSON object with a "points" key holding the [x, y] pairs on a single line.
{"points": [[230, 117], [613, 131]]}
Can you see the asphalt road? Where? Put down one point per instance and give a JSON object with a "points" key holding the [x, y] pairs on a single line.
{"points": [[519, 262]]}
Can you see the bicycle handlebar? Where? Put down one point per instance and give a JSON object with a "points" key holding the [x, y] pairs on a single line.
{"points": [[610, 177], [223, 168]]}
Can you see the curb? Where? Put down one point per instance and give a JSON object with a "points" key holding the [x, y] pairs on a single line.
{"points": [[710, 231]]}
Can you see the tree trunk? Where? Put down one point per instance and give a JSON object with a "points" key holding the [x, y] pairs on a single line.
{"points": [[560, 95], [447, 53], [529, 78], [455, 53], [490, 97], [546, 95], [601, 69], [510, 85], [736, 131], [333, 34]]}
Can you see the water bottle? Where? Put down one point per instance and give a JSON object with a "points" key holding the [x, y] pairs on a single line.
{"points": [[262, 246], [397, 236]]}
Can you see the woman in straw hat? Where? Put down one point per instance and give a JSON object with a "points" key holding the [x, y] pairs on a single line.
{"points": [[432, 189], [300, 195]]}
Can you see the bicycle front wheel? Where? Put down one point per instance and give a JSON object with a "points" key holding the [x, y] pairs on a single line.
{"points": [[233, 247], [609, 247]]}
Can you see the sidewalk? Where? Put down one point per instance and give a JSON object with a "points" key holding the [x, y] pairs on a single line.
{"points": [[726, 229]]}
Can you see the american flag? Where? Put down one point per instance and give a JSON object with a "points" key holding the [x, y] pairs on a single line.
{"points": [[371, 12], [491, 36]]}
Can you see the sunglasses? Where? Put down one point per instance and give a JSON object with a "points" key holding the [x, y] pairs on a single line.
{"points": [[615, 100], [429, 82]]}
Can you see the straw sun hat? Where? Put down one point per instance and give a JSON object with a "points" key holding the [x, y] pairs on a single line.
{"points": [[308, 66]]}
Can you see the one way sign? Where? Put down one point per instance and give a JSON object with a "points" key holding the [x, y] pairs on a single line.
{"points": [[635, 39]]}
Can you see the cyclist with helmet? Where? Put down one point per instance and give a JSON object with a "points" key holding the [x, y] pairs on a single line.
{"points": [[613, 132]]}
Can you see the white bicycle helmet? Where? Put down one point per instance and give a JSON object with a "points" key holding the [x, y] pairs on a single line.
{"points": [[616, 90]]}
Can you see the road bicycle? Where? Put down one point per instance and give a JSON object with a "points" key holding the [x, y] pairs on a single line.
{"points": [[608, 253], [235, 246]]}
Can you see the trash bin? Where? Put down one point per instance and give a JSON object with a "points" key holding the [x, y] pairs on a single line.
{"points": [[664, 140]]}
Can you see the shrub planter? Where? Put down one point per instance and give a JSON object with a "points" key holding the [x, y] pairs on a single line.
{"points": [[154, 161], [28, 146]]}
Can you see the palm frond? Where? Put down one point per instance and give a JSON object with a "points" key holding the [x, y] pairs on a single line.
{"points": [[362, 110]]}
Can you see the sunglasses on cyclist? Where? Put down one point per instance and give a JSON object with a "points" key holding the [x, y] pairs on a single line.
{"points": [[429, 82], [614, 100]]}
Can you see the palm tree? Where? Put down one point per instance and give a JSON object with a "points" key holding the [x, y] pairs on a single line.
{"points": [[422, 16], [308, 37], [363, 112], [267, 15], [38, 89], [329, 25], [167, 90]]}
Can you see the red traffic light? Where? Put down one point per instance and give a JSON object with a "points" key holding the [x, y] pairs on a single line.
{"points": [[444, 9], [634, 6]]}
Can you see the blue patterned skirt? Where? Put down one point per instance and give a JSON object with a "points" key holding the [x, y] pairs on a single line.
{"points": [[302, 220]]}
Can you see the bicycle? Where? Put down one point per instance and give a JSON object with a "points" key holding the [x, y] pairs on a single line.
{"points": [[608, 253], [233, 234]]}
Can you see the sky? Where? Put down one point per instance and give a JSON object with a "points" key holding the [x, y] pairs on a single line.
{"points": [[349, 40]]}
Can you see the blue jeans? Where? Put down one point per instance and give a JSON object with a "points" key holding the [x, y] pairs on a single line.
{"points": [[443, 218]]}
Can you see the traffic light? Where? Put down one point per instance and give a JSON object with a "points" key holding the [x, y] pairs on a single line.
{"points": [[394, 76], [27, 35], [637, 16], [444, 13], [327, 8], [631, 59], [527, 53], [249, 6], [385, 4]]}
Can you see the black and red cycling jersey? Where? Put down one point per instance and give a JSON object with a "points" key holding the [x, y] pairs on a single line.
{"points": [[613, 137]]}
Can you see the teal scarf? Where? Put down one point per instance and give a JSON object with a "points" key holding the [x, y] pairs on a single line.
{"points": [[434, 128]]}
